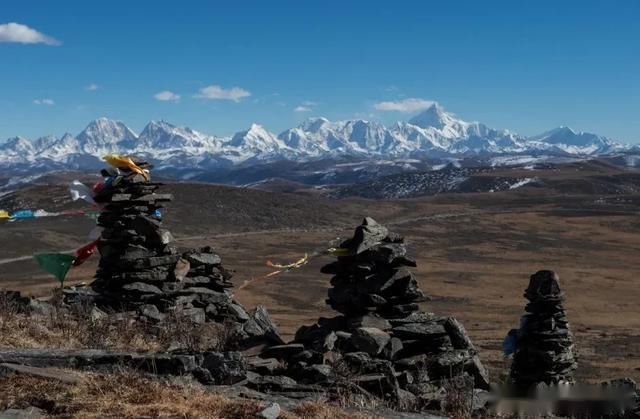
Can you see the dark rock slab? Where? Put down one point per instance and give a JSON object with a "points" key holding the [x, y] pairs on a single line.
{"points": [[283, 351], [368, 320], [199, 259], [158, 363], [370, 339], [421, 331], [458, 335], [141, 288], [30, 412], [45, 372], [225, 368]]}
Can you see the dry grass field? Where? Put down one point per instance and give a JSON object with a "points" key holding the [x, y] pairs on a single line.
{"points": [[475, 253]]}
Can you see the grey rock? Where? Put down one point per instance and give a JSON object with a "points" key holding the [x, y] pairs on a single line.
{"points": [[419, 331], [272, 411], [394, 347], [272, 383], [199, 259], [318, 372], [369, 320], [479, 373], [97, 315], [195, 315], [262, 326], [237, 312], [159, 363], [141, 288], [406, 399], [368, 234], [49, 373], [457, 334], [26, 413], [151, 312], [415, 362], [414, 318], [370, 339], [268, 366], [225, 368], [283, 351]]}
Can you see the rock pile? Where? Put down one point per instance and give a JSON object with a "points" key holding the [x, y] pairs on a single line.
{"points": [[373, 277], [381, 343], [141, 269], [544, 350]]}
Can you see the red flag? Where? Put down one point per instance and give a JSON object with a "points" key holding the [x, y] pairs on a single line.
{"points": [[85, 252], [98, 187]]}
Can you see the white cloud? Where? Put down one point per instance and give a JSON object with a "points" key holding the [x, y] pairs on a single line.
{"points": [[404, 105], [166, 96], [306, 106], [92, 87], [22, 34], [44, 102], [217, 92]]}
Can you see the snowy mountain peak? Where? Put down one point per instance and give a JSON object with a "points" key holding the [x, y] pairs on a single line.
{"points": [[163, 135], [313, 124], [257, 129], [157, 126], [434, 116], [561, 131], [566, 135], [17, 144], [433, 133], [576, 142], [256, 138], [106, 131]]}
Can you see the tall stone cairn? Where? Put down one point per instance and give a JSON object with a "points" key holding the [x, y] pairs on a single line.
{"points": [[374, 277], [545, 352], [141, 269], [381, 342]]}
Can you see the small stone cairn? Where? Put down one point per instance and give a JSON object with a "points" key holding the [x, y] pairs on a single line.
{"points": [[381, 343], [545, 352], [140, 268]]}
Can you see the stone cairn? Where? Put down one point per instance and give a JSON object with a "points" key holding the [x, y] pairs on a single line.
{"points": [[141, 270], [545, 351], [381, 343]]}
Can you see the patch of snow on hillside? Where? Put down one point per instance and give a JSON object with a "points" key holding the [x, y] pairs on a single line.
{"points": [[522, 182]]}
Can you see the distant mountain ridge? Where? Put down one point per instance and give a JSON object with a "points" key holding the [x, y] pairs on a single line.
{"points": [[433, 133]]}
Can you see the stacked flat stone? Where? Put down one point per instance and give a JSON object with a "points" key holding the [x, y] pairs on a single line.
{"points": [[545, 352], [373, 277], [141, 269], [381, 342]]}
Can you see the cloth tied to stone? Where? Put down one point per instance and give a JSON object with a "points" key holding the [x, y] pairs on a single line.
{"points": [[79, 190], [125, 162], [57, 264]]}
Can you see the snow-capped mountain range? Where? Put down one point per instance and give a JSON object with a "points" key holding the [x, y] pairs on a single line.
{"points": [[434, 133]]}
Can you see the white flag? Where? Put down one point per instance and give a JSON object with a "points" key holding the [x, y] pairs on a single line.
{"points": [[43, 213], [95, 233], [81, 191]]}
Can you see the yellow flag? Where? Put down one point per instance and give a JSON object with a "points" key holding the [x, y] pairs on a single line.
{"points": [[4, 214], [125, 162]]}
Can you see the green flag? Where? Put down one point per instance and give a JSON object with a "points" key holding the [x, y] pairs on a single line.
{"points": [[92, 214], [57, 264]]}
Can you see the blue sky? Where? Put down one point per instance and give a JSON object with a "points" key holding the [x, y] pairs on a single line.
{"points": [[523, 65]]}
